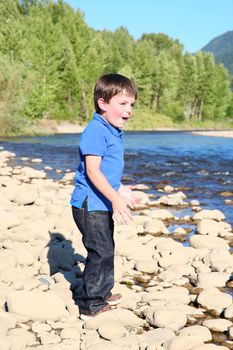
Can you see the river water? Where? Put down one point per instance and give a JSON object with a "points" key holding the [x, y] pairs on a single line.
{"points": [[201, 166]]}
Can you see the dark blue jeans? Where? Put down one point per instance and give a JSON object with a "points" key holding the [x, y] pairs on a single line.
{"points": [[97, 234]]}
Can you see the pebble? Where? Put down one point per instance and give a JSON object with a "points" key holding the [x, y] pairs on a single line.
{"points": [[36, 160]]}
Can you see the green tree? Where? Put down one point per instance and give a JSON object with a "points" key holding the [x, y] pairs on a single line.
{"points": [[187, 86], [112, 58], [164, 82], [160, 41], [221, 92], [143, 67]]}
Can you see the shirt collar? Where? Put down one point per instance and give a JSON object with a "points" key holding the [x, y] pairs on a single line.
{"points": [[115, 131]]}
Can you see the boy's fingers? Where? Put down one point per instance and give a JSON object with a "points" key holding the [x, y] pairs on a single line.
{"points": [[127, 216], [117, 218], [122, 218], [131, 205]]}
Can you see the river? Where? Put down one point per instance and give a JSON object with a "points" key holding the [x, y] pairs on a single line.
{"points": [[201, 166]]}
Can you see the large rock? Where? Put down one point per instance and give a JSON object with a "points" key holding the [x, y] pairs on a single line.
{"points": [[168, 244], [183, 342], [209, 214], [6, 154], [174, 199], [221, 260], [209, 242], [70, 333], [13, 274], [213, 299], [177, 257], [36, 229], [125, 318], [157, 337], [228, 312], [202, 332], [184, 270], [161, 214], [172, 305], [212, 279], [8, 320], [163, 318], [155, 227], [218, 325], [20, 338], [177, 294], [32, 173], [8, 219], [212, 227], [47, 338], [25, 195], [36, 305], [131, 342], [111, 330], [147, 266]]}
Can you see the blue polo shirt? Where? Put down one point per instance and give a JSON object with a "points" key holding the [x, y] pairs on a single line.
{"points": [[101, 139]]}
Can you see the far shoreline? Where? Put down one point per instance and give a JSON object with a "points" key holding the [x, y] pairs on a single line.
{"points": [[51, 127], [69, 128], [219, 133]]}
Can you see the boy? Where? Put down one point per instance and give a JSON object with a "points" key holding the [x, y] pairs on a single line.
{"points": [[99, 197]]}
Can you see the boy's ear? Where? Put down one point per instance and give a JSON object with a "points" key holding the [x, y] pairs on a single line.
{"points": [[102, 104]]}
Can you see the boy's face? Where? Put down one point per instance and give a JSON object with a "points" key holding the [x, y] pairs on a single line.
{"points": [[118, 110]]}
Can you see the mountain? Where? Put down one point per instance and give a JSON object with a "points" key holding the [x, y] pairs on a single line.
{"points": [[222, 48]]}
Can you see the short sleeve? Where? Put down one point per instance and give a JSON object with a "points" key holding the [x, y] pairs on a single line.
{"points": [[93, 141]]}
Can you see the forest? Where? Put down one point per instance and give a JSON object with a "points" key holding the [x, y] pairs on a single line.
{"points": [[50, 59]]}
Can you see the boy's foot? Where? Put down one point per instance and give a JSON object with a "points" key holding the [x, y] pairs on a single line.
{"points": [[90, 316], [114, 299]]}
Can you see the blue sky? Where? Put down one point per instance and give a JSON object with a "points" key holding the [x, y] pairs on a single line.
{"points": [[193, 22]]}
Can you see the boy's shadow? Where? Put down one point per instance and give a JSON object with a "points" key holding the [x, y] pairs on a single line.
{"points": [[63, 259]]}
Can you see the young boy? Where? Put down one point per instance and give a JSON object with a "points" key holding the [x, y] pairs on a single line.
{"points": [[99, 198]]}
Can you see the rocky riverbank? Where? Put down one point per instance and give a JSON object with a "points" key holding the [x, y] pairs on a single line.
{"points": [[175, 273]]}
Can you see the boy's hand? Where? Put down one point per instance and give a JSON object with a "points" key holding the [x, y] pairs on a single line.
{"points": [[127, 194], [121, 212]]}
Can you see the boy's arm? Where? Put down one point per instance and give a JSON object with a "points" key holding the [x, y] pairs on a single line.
{"points": [[121, 212]]}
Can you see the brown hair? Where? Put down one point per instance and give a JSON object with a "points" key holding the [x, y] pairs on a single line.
{"points": [[109, 85]]}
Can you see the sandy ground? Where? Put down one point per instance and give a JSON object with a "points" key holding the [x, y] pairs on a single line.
{"points": [[223, 133], [68, 128]]}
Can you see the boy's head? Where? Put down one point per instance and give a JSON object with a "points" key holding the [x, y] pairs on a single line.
{"points": [[112, 84]]}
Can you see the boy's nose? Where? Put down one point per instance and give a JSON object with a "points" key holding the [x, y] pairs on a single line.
{"points": [[129, 109]]}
